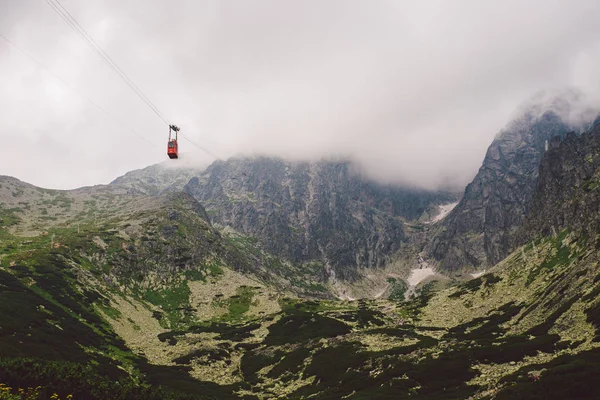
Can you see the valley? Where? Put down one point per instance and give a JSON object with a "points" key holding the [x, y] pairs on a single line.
{"points": [[260, 278]]}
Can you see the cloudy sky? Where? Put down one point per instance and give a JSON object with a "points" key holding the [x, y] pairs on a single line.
{"points": [[413, 90]]}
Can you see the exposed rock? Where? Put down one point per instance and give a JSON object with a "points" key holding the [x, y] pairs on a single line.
{"points": [[312, 211], [477, 231], [568, 192]]}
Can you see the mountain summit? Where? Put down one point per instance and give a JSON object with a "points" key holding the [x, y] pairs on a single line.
{"points": [[323, 211], [477, 232]]}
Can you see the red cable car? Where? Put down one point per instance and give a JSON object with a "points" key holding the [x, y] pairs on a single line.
{"points": [[172, 150]]}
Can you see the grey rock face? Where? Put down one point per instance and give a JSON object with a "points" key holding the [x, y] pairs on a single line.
{"points": [[477, 232], [568, 192], [311, 211]]}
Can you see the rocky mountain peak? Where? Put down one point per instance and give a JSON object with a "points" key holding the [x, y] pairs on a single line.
{"points": [[477, 232], [312, 211], [567, 195]]}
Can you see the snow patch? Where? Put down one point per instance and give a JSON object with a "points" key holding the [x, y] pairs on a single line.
{"points": [[418, 275], [477, 274], [443, 210], [378, 295]]}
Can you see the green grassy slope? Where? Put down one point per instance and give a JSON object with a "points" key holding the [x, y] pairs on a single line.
{"points": [[150, 301]]}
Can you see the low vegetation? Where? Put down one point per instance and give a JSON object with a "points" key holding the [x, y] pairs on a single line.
{"points": [[157, 304]]}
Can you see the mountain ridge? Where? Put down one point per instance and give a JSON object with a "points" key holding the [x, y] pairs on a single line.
{"points": [[477, 233], [312, 211]]}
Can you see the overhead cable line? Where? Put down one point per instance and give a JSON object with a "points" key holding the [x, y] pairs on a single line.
{"points": [[81, 32], [67, 85], [200, 147], [72, 22]]}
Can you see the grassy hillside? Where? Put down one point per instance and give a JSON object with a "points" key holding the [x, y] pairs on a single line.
{"points": [[119, 295]]}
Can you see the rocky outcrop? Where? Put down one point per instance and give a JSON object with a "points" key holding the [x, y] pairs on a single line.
{"points": [[312, 211], [477, 233], [568, 192]]}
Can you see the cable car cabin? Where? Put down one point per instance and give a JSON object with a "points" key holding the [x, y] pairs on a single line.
{"points": [[172, 149]]}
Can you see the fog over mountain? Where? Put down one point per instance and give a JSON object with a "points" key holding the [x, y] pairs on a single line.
{"points": [[372, 200], [413, 92]]}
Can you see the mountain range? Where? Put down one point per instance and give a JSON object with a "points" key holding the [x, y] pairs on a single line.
{"points": [[258, 277]]}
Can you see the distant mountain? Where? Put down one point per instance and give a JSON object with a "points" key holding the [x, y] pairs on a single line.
{"points": [[323, 211], [168, 176], [477, 232]]}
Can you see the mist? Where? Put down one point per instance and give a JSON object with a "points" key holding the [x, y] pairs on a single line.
{"points": [[413, 92]]}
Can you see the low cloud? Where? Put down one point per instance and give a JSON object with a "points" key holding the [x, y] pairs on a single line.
{"points": [[414, 91]]}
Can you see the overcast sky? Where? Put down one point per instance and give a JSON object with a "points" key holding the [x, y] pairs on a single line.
{"points": [[414, 90]]}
